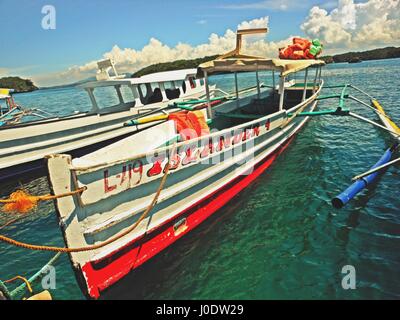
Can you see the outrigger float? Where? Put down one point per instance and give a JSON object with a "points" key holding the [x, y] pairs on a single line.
{"points": [[121, 205]]}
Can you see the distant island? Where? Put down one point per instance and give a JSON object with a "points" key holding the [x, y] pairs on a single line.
{"points": [[18, 84], [375, 54], [351, 57], [174, 65]]}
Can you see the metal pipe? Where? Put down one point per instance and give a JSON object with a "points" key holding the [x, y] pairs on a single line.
{"points": [[354, 115], [319, 76], [209, 110], [362, 91], [273, 83], [378, 168], [305, 86], [356, 187], [281, 92], [258, 85], [237, 91], [368, 106]]}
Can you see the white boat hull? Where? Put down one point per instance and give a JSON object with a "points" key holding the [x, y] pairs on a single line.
{"points": [[206, 173], [23, 146]]}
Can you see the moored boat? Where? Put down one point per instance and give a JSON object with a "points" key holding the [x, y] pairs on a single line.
{"points": [[114, 100], [9, 109], [141, 194]]}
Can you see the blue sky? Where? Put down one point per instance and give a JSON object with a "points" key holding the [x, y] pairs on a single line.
{"points": [[85, 30]]}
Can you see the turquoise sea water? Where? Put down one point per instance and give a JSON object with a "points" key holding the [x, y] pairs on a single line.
{"points": [[280, 238]]}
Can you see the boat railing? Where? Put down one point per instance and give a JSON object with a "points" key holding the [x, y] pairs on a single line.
{"points": [[167, 149]]}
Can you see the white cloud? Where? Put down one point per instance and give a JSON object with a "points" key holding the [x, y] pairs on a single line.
{"points": [[128, 60], [349, 26], [355, 26]]}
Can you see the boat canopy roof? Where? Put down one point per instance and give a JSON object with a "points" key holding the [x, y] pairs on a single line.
{"points": [[243, 63], [175, 75], [235, 61]]}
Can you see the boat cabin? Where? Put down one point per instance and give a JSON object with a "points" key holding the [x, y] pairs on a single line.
{"points": [[115, 94]]}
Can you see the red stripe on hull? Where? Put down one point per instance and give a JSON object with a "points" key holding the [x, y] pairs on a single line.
{"points": [[100, 278]]}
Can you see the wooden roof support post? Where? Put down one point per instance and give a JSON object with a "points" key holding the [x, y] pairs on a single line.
{"points": [[305, 86], [281, 92], [315, 79], [209, 110]]}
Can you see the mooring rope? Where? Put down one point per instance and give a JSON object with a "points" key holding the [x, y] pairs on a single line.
{"points": [[100, 245], [23, 202]]}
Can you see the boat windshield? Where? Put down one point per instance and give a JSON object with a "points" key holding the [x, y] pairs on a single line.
{"points": [[113, 98]]}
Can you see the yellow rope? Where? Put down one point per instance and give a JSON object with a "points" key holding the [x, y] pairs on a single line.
{"points": [[28, 285], [100, 245]]}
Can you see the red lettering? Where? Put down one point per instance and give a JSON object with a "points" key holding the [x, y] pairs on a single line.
{"points": [[107, 187], [223, 143], [155, 169], [123, 178], [246, 134], [267, 124], [237, 138], [137, 167], [206, 151], [190, 155], [256, 131]]}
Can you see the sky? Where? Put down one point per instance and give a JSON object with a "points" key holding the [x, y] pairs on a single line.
{"points": [[139, 33]]}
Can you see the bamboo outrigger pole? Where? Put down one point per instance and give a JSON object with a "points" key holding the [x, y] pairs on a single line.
{"points": [[376, 169]]}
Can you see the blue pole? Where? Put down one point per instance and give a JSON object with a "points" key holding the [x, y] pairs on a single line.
{"points": [[340, 200]]}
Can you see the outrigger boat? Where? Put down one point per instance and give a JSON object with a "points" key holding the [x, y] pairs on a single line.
{"points": [[134, 198], [9, 110], [121, 205], [24, 145], [13, 113]]}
